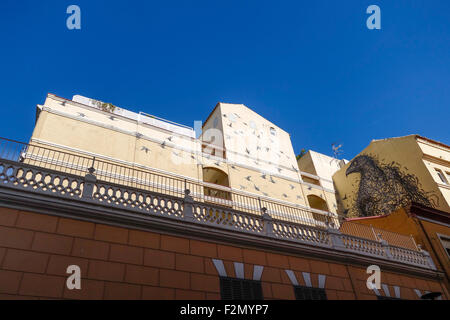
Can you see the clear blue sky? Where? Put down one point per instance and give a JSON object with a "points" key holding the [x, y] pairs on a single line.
{"points": [[311, 67]]}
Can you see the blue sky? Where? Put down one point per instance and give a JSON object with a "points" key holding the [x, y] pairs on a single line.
{"points": [[311, 67]]}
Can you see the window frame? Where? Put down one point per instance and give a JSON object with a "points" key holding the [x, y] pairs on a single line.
{"points": [[447, 238], [441, 176], [254, 285]]}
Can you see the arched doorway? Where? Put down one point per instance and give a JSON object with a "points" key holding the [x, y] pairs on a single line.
{"points": [[318, 203], [218, 177]]}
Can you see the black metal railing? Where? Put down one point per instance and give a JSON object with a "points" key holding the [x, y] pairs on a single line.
{"points": [[113, 171]]}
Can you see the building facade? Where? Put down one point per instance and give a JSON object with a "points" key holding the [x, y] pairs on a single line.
{"points": [[317, 170], [392, 173], [429, 227], [110, 192], [238, 156]]}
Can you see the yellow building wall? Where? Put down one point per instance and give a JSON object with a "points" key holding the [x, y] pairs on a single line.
{"points": [[406, 152], [79, 129], [257, 161]]}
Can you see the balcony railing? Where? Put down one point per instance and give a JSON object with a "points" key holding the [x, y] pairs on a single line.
{"points": [[377, 234], [17, 175], [114, 172], [110, 172]]}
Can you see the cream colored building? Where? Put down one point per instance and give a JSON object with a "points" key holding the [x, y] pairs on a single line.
{"points": [[238, 156], [317, 169], [404, 168]]}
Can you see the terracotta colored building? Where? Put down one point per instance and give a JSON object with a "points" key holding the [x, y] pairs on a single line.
{"points": [[429, 227]]}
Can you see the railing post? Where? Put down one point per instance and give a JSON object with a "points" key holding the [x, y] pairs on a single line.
{"points": [[188, 209], [335, 238], [427, 257], [268, 222], [385, 246], [89, 180]]}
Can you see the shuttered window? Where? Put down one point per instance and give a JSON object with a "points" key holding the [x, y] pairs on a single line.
{"points": [[308, 293], [240, 289], [387, 298]]}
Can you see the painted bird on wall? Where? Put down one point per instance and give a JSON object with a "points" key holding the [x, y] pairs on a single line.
{"points": [[383, 188]]}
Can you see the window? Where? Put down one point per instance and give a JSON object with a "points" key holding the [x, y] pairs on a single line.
{"points": [[308, 293], [441, 176], [445, 241], [240, 289]]}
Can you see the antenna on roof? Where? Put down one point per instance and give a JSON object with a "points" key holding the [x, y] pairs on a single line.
{"points": [[337, 149]]}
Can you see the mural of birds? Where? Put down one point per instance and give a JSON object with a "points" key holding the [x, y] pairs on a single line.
{"points": [[383, 188], [145, 149]]}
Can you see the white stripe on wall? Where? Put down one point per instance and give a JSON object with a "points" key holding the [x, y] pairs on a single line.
{"points": [[220, 267], [419, 294], [322, 279], [292, 277], [307, 278], [386, 289], [257, 272], [397, 291], [239, 270]]}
